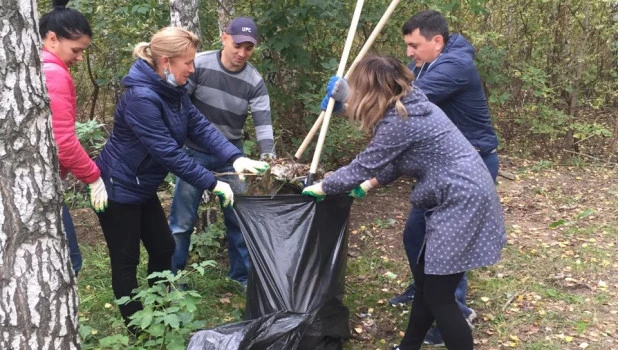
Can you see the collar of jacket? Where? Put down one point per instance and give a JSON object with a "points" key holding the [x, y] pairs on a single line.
{"points": [[458, 45], [458, 49], [416, 102], [49, 57], [141, 74]]}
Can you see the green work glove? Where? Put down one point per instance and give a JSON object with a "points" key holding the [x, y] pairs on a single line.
{"points": [[224, 191], [315, 191], [361, 190]]}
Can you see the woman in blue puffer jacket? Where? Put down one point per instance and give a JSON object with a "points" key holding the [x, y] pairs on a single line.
{"points": [[153, 120]]}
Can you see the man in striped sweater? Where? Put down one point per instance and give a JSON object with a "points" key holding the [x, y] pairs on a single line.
{"points": [[224, 87]]}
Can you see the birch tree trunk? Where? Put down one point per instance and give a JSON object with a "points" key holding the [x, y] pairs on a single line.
{"points": [[38, 296], [226, 11], [184, 14], [614, 17]]}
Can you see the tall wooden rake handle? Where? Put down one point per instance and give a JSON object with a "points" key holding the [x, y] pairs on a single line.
{"points": [[331, 102], [374, 34]]}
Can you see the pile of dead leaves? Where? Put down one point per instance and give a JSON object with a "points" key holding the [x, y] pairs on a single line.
{"points": [[285, 176]]}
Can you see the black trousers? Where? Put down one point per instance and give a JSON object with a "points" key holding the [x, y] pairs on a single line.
{"points": [[124, 226], [434, 300]]}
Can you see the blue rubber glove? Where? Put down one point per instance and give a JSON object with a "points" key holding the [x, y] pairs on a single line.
{"points": [[315, 191], [338, 89]]}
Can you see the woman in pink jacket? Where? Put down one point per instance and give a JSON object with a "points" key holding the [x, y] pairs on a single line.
{"points": [[66, 34]]}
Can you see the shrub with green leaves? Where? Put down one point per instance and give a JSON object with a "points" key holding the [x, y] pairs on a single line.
{"points": [[204, 243], [91, 136], [168, 315], [546, 85]]}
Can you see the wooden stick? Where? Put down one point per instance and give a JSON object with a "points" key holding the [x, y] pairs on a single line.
{"points": [[372, 37], [510, 300], [331, 102], [609, 164]]}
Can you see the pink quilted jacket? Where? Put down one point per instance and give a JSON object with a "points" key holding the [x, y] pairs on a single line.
{"points": [[73, 158]]}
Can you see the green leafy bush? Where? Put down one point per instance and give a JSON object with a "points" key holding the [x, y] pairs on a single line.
{"points": [[91, 136], [207, 241], [168, 315]]}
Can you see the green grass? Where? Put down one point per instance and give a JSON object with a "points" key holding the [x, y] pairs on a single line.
{"points": [[371, 280]]}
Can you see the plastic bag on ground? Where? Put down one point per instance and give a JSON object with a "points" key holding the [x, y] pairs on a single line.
{"points": [[278, 331]]}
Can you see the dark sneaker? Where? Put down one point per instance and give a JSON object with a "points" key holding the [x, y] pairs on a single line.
{"points": [[394, 347], [470, 318], [404, 298], [433, 337]]}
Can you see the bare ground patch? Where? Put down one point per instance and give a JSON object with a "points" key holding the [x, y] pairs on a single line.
{"points": [[555, 287]]}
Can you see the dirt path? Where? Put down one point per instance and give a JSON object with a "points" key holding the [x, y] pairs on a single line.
{"points": [[555, 287]]}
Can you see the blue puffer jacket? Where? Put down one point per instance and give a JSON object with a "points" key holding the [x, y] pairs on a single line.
{"points": [[152, 122], [452, 82]]}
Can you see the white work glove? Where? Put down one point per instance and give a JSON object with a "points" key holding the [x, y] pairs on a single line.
{"points": [[224, 191], [98, 195], [315, 191], [243, 164], [361, 190]]}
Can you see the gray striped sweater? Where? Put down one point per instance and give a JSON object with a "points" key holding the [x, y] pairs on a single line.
{"points": [[225, 99]]}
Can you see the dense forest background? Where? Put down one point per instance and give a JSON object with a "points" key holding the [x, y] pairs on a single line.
{"points": [[550, 67]]}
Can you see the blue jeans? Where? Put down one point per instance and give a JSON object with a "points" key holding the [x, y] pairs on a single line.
{"points": [[492, 162], [69, 231], [414, 235], [184, 211]]}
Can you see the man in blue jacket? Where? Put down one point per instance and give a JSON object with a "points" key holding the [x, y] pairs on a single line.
{"points": [[445, 71]]}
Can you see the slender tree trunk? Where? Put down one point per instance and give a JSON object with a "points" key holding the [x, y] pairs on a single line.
{"points": [[185, 14], [569, 143], [614, 20], [95, 87], [226, 11], [38, 296]]}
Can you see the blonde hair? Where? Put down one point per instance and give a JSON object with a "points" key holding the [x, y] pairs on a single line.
{"points": [[377, 84], [169, 41]]}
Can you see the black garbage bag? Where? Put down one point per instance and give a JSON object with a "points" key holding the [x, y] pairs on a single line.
{"points": [[277, 331], [298, 250]]}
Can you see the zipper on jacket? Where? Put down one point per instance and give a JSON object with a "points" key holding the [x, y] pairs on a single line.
{"points": [[139, 165]]}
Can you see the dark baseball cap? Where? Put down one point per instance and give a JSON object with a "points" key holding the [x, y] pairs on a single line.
{"points": [[243, 29]]}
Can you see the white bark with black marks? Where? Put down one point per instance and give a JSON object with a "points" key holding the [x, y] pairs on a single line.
{"points": [[184, 14], [38, 295], [226, 10]]}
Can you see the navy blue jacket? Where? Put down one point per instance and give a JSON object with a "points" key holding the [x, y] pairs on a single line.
{"points": [[152, 122], [452, 82]]}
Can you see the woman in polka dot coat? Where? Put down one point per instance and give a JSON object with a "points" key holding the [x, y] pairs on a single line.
{"points": [[412, 136]]}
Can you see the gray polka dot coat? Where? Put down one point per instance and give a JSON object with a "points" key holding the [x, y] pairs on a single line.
{"points": [[466, 228]]}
